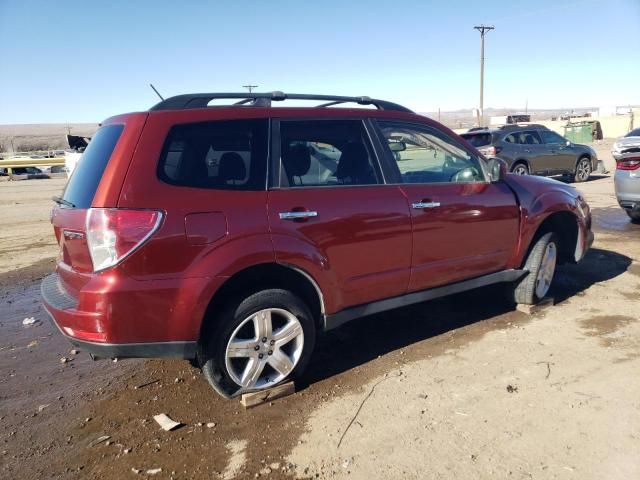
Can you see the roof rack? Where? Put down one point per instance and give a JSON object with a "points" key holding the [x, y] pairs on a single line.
{"points": [[521, 124], [201, 100]]}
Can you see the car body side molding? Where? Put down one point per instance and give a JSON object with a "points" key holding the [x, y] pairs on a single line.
{"points": [[340, 318]]}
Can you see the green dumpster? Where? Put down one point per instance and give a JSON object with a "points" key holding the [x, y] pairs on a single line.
{"points": [[579, 132]]}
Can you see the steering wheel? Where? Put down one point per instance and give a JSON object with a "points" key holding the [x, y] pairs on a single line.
{"points": [[468, 174]]}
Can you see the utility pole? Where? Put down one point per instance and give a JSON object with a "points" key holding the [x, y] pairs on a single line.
{"points": [[482, 29], [250, 87]]}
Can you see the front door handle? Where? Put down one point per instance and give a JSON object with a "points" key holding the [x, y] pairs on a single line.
{"points": [[301, 215], [421, 205]]}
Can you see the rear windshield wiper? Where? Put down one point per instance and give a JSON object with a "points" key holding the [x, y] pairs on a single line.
{"points": [[62, 201]]}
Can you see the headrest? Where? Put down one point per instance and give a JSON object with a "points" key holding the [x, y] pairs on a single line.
{"points": [[297, 160], [231, 167]]}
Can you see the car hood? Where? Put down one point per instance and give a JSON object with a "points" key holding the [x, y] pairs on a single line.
{"points": [[530, 187]]}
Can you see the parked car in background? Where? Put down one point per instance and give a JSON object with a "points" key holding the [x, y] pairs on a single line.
{"points": [[630, 143], [626, 152], [535, 150], [26, 171], [233, 234]]}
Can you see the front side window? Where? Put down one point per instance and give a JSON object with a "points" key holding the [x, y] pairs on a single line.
{"points": [[325, 152], [552, 137], [425, 155], [227, 155]]}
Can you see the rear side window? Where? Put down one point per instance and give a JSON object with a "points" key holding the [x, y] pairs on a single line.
{"points": [[82, 186], [477, 139], [227, 155]]}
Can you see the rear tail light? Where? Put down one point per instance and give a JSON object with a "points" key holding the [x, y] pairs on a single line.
{"points": [[491, 151], [628, 164], [113, 233]]}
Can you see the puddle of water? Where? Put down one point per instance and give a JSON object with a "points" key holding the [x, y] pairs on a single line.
{"points": [[613, 219], [605, 324]]}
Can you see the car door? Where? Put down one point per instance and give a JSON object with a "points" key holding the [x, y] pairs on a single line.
{"points": [[537, 155], [463, 225], [331, 214], [563, 159]]}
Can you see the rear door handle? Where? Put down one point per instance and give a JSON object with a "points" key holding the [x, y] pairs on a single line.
{"points": [[297, 215], [421, 205]]}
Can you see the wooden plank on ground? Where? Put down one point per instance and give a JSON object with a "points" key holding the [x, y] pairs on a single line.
{"points": [[531, 309], [254, 399]]}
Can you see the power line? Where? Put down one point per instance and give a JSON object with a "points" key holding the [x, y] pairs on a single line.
{"points": [[483, 30]]}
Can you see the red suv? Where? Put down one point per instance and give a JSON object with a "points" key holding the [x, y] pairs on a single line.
{"points": [[232, 234]]}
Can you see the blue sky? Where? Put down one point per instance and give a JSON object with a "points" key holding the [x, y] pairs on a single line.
{"points": [[82, 61]]}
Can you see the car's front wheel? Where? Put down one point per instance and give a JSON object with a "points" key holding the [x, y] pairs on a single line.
{"points": [[583, 170], [258, 343], [541, 265]]}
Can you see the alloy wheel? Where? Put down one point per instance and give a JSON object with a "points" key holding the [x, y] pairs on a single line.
{"points": [[521, 169], [583, 171], [264, 349], [546, 271]]}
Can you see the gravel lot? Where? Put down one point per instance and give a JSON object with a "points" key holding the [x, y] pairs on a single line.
{"points": [[463, 387]]}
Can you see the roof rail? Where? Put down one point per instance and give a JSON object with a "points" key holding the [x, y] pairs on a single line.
{"points": [[201, 100], [521, 125]]}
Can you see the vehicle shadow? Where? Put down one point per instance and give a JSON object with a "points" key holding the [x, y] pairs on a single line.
{"points": [[592, 178], [598, 266], [367, 338]]}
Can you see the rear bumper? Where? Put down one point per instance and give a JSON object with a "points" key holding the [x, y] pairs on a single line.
{"points": [[130, 318], [627, 184]]}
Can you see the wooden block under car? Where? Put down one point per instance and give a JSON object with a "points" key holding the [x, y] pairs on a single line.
{"points": [[254, 399], [531, 309]]}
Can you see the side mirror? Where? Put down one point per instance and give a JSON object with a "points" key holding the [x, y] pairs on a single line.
{"points": [[498, 169], [397, 145]]}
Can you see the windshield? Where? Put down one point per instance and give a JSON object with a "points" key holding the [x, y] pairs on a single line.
{"points": [[633, 133]]}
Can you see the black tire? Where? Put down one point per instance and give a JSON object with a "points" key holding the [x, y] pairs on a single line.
{"points": [[211, 352], [525, 290], [634, 215], [520, 168], [583, 170]]}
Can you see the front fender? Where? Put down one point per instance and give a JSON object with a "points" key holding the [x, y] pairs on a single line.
{"points": [[536, 207]]}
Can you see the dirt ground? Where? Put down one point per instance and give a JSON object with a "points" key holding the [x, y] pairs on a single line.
{"points": [[464, 387]]}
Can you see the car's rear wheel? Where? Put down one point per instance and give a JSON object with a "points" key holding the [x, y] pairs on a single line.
{"points": [[583, 170], [634, 215], [541, 264], [520, 169], [258, 343]]}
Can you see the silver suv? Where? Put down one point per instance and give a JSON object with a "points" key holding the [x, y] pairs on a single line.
{"points": [[535, 150]]}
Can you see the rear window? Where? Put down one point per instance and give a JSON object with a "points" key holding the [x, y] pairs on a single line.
{"points": [[227, 155], [82, 186], [477, 139]]}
